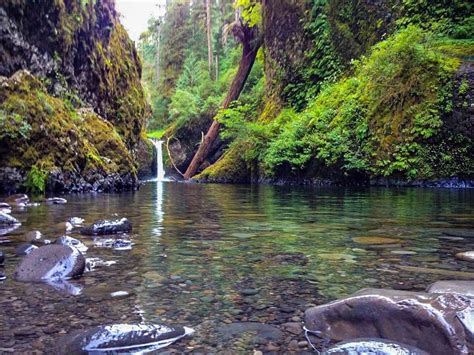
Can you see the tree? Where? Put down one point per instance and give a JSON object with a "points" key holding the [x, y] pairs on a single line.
{"points": [[209, 35], [245, 30]]}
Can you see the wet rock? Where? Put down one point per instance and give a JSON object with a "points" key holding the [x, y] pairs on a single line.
{"points": [[5, 208], [258, 330], [76, 221], [463, 233], [71, 242], [55, 201], [24, 249], [466, 256], [425, 270], [249, 292], [376, 240], [118, 337], [465, 288], [439, 324], [63, 227], [7, 220], [32, 236], [17, 199], [290, 258], [50, 262], [2, 257], [4, 230], [105, 227], [293, 327], [2, 276], [373, 346]]}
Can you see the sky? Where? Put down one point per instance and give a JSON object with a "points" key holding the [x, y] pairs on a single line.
{"points": [[134, 14]]}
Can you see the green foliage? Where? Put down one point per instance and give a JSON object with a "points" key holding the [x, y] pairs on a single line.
{"points": [[13, 126], [251, 11], [156, 134], [36, 180]]}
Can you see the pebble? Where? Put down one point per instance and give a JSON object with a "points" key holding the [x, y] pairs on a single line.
{"points": [[302, 343], [249, 292]]}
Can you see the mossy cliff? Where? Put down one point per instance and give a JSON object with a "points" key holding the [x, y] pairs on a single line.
{"points": [[82, 109], [359, 92]]}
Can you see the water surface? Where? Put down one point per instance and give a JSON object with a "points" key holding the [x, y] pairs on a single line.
{"points": [[201, 251]]}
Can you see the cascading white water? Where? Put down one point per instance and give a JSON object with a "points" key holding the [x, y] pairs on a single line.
{"points": [[160, 171]]}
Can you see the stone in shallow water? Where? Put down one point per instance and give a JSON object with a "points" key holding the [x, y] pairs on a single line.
{"points": [[463, 233], [439, 324], [56, 201], [374, 347], [376, 240], [122, 337], [17, 199], [425, 270], [459, 287], [7, 220], [105, 227], [2, 257], [32, 236], [72, 242], [50, 262], [466, 256]]}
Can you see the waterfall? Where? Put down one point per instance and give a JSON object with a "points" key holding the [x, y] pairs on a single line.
{"points": [[160, 171]]}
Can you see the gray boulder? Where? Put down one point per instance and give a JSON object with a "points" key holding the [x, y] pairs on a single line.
{"points": [[7, 220], [72, 242], [17, 199], [126, 337], [55, 201], [436, 323], [24, 249], [50, 262], [105, 227]]}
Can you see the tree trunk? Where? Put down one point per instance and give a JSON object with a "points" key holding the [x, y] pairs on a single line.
{"points": [[158, 54], [249, 52], [209, 35]]}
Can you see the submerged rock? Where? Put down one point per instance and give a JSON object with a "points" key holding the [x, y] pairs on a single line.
{"points": [[373, 346], [466, 256], [32, 236], [55, 201], [76, 221], [2, 257], [24, 249], [50, 262], [127, 337], [105, 227], [376, 240], [7, 220], [17, 199], [459, 287], [72, 242], [5, 208], [439, 324], [4, 230]]}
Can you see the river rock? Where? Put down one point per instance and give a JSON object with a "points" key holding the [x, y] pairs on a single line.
{"points": [[50, 262], [105, 227], [466, 256], [72, 242], [7, 220], [439, 324], [24, 249], [2, 257], [126, 337], [5, 208], [76, 221], [17, 199], [32, 236], [55, 201], [459, 287], [373, 346]]}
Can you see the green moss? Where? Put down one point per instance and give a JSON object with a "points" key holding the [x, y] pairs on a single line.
{"points": [[230, 168]]}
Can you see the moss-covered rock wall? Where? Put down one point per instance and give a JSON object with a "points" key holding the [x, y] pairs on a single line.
{"points": [[82, 57]]}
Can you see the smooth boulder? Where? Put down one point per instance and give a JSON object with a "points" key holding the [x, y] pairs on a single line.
{"points": [[5, 208], [55, 201], [17, 199], [373, 346], [105, 227], [126, 337], [466, 256], [439, 324], [50, 262], [7, 220]]}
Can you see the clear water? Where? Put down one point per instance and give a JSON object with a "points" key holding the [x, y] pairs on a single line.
{"points": [[196, 247]]}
